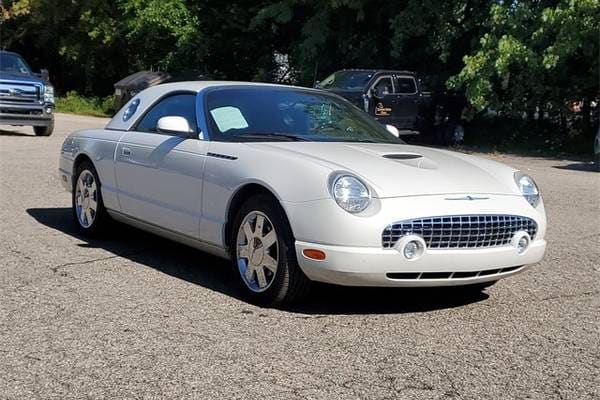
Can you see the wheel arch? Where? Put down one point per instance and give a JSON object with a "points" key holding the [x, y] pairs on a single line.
{"points": [[241, 195], [81, 157]]}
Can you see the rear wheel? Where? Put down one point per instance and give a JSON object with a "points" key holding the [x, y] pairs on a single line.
{"points": [[454, 135], [263, 253], [44, 130], [88, 207]]}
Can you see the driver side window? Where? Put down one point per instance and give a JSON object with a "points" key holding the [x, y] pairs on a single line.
{"points": [[383, 87], [178, 105]]}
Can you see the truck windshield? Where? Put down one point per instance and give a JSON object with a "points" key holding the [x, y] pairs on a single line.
{"points": [[264, 113], [13, 64], [346, 80]]}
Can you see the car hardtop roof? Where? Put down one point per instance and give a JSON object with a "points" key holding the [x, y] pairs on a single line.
{"points": [[197, 86], [147, 97], [380, 71]]}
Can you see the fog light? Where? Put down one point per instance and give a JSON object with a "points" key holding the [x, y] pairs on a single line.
{"points": [[522, 244], [521, 241], [411, 249]]}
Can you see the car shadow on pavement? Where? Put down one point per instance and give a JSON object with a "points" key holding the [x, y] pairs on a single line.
{"points": [[582, 166], [214, 273], [14, 133]]}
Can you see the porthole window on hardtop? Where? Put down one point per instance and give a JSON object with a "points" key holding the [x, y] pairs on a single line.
{"points": [[131, 109]]}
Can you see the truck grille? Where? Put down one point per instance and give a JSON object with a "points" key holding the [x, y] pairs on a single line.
{"points": [[20, 93], [461, 231]]}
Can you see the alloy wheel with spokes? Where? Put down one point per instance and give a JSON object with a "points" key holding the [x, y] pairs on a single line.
{"points": [[88, 206], [263, 253], [257, 251], [86, 198]]}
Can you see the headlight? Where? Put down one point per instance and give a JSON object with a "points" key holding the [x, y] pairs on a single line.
{"points": [[350, 193], [528, 188], [49, 95]]}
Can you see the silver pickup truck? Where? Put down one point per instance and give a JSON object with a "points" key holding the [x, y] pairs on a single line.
{"points": [[26, 99]]}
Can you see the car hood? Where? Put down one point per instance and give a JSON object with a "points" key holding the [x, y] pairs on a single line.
{"points": [[396, 170], [20, 78]]}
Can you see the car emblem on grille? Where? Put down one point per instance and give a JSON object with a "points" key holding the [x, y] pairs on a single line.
{"points": [[15, 92], [470, 198]]}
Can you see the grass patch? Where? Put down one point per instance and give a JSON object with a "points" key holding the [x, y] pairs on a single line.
{"points": [[73, 103]]}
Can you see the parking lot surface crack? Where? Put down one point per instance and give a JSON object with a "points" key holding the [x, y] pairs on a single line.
{"points": [[56, 268]]}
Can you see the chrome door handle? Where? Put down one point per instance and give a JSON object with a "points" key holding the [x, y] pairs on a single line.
{"points": [[126, 151]]}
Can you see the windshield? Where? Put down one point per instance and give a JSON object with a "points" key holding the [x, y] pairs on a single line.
{"points": [[346, 80], [13, 64], [287, 114]]}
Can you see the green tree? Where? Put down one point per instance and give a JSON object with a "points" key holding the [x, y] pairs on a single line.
{"points": [[90, 44], [534, 54]]}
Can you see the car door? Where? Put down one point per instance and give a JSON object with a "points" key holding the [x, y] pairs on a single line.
{"points": [[382, 98], [159, 176], [405, 103]]}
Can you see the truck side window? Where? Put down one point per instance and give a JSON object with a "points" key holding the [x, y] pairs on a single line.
{"points": [[405, 85], [383, 87]]}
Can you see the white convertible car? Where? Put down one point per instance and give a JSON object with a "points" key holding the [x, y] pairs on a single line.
{"points": [[297, 185]]}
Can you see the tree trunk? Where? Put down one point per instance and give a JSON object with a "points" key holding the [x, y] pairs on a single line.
{"points": [[586, 125]]}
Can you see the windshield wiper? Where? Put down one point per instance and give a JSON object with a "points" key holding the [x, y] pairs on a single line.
{"points": [[281, 136]]}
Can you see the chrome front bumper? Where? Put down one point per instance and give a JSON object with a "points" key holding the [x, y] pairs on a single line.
{"points": [[26, 114]]}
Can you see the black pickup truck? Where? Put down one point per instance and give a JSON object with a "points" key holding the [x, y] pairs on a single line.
{"points": [[26, 99], [400, 98]]}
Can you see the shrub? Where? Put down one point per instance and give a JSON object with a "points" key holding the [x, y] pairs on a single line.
{"points": [[74, 103]]}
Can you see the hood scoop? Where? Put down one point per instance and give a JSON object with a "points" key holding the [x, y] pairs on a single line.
{"points": [[412, 160], [402, 156]]}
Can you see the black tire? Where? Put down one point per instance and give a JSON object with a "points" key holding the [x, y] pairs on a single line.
{"points": [[453, 135], [100, 216], [289, 284], [44, 130]]}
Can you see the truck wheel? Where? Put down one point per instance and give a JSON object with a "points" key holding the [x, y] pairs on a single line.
{"points": [[44, 130], [263, 253], [454, 135]]}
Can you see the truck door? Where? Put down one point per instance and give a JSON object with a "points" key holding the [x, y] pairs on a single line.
{"points": [[405, 102], [382, 99]]}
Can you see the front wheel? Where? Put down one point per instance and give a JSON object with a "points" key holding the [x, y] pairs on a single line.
{"points": [[262, 249], [88, 207], [44, 130]]}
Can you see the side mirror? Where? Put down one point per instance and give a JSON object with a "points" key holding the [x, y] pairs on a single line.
{"points": [[393, 130], [45, 75], [173, 125]]}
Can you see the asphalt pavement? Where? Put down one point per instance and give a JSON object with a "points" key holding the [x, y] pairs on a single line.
{"points": [[133, 315]]}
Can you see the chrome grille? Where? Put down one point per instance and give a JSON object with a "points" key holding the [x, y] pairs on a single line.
{"points": [[461, 231], [20, 93]]}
